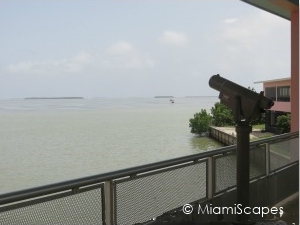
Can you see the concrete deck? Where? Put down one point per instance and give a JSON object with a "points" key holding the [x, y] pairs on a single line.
{"points": [[256, 133]]}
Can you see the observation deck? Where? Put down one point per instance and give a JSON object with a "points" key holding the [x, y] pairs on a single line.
{"points": [[156, 193]]}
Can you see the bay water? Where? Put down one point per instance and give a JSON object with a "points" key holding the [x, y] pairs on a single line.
{"points": [[45, 141]]}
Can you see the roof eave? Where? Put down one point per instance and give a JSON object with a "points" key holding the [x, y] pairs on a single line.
{"points": [[282, 8], [269, 81]]}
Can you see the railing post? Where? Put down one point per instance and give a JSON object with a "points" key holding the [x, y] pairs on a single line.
{"points": [[268, 171], [210, 177], [267, 159], [109, 211]]}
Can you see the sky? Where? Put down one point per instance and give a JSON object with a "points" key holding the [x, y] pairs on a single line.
{"points": [[137, 48]]}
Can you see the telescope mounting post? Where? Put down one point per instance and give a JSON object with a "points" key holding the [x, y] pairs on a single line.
{"points": [[243, 130]]}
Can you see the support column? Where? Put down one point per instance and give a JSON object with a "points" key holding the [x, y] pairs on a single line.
{"points": [[295, 71], [243, 130]]}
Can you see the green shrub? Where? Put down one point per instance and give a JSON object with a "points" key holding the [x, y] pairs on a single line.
{"points": [[222, 115], [200, 123], [283, 123], [259, 120]]}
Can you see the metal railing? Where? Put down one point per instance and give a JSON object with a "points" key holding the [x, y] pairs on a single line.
{"points": [[159, 190]]}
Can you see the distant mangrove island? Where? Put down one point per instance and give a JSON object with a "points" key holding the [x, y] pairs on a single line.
{"points": [[164, 96], [55, 98]]}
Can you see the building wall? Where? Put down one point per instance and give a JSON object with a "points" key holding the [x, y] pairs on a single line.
{"points": [[280, 106], [277, 83], [295, 70]]}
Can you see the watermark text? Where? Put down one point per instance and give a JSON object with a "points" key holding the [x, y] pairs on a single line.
{"points": [[233, 210]]}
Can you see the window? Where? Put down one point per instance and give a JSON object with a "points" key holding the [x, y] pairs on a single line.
{"points": [[271, 93], [283, 94]]}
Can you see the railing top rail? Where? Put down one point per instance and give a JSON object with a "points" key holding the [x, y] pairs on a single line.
{"points": [[275, 138], [75, 183]]}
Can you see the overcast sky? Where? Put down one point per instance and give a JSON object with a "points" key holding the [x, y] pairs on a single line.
{"points": [[97, 48]]}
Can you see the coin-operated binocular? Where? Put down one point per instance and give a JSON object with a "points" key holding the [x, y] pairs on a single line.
{"points": [[245, 104]]}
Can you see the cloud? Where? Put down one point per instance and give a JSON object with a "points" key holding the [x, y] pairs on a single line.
{"points": [[230, 20], [20, 67], [251, 29], [120, 48], [174, 38], [76, 63], [72, 64], [123, 54], [257, 42]]}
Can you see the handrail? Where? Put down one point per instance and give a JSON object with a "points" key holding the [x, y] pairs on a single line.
{"points": [[75, 183], [275, 138]]}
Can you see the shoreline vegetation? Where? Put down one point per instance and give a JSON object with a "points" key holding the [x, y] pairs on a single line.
{"points": [[164, 96], [54, 98], [199, 96], [188, 96]]}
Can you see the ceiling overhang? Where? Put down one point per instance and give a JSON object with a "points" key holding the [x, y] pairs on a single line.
{"points": [[282, 8]]}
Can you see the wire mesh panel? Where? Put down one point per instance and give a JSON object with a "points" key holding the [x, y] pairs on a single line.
{"points": [[148, 196], [284, 153], [257, 161], [225, 172], [225, 167], [80, 208]]}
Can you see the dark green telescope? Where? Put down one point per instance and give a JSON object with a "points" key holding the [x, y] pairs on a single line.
{"points": [[244, 102]]}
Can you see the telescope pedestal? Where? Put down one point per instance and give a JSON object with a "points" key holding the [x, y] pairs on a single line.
{"points": [[246, 106], [243, 130]]}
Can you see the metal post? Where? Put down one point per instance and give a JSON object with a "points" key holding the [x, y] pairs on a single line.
{"points": [[109, 202], [210, 178], [243, 130], [267, 145], [267, 159]]}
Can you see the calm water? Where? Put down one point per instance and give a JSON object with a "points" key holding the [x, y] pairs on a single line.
{"points": [[47, 141]]}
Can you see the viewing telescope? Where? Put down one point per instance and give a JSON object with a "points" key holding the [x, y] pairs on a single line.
{"points": [[246, 104]]}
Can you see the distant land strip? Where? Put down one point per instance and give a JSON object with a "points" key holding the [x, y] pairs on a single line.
{"points": [[55, 98], [192, 96], [164, 96]]}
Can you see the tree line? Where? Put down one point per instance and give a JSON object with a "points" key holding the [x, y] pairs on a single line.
{"points": [[220, 116]]}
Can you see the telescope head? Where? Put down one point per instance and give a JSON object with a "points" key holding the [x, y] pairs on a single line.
{"points": [[248, 104]]}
